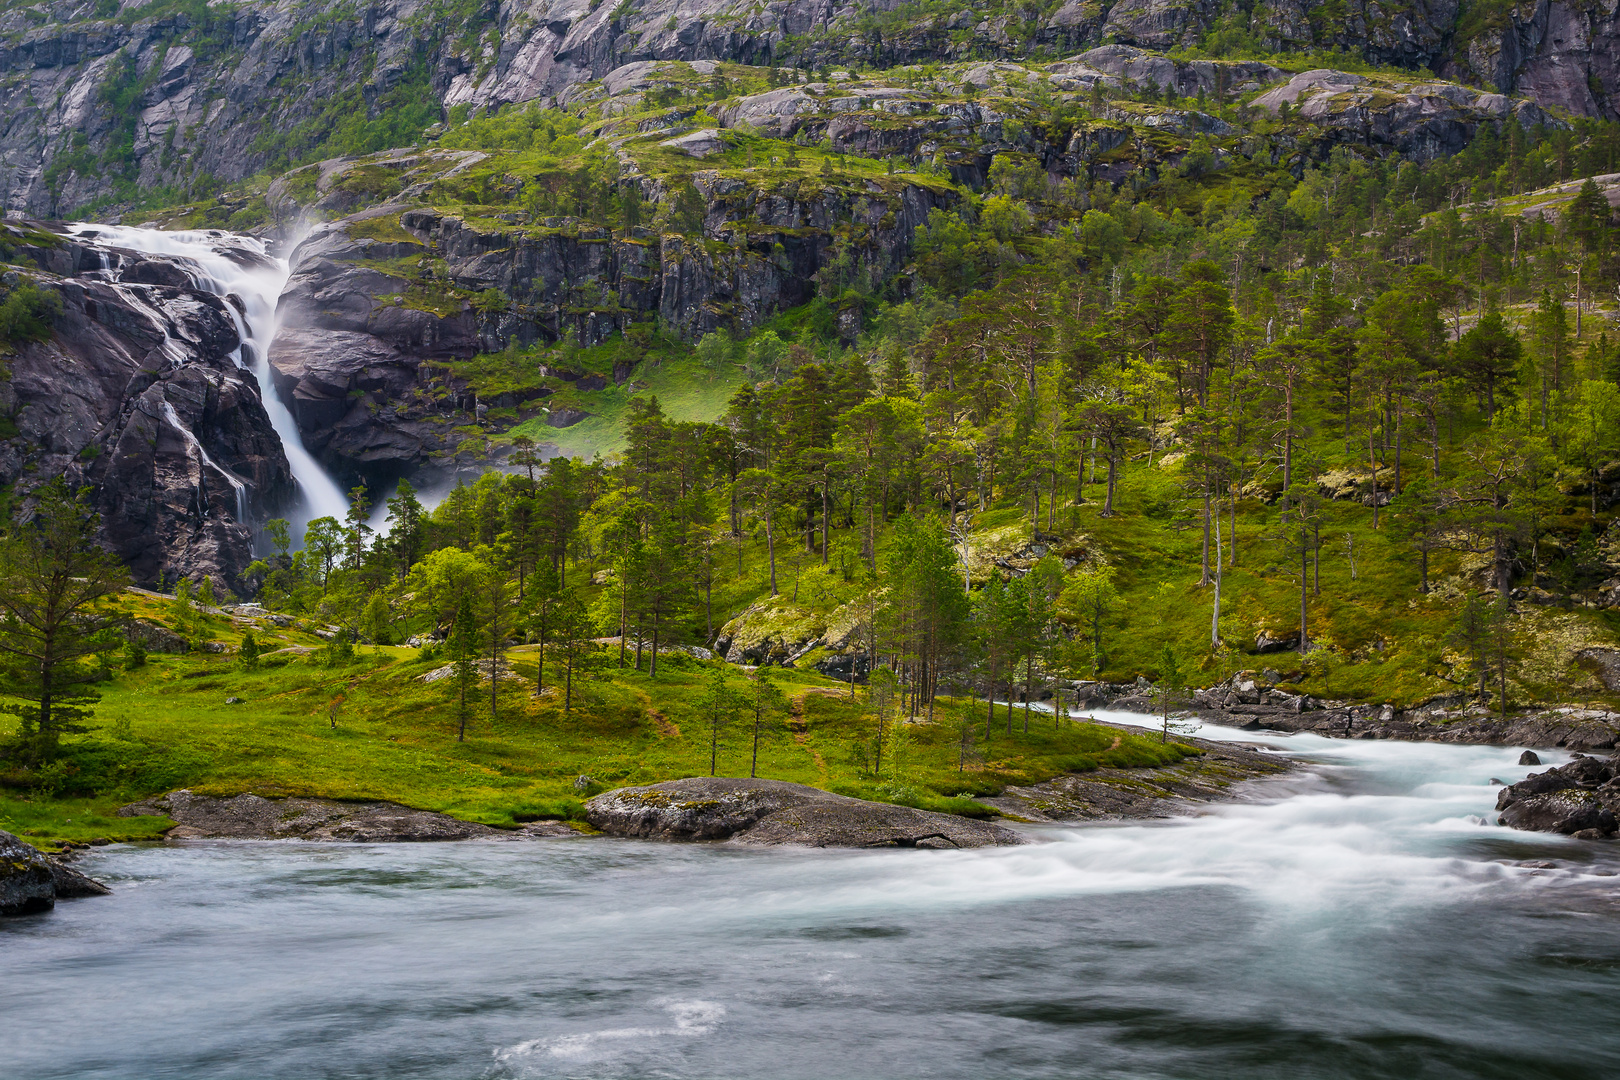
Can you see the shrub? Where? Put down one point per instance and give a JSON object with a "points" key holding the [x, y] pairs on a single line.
{"points": [[26, 314]]}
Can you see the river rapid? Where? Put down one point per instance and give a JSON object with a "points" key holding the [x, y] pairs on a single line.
{"points": [[1362, 918]]}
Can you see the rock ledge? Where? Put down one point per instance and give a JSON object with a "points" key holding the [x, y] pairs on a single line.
{"points": [[773, 812]]}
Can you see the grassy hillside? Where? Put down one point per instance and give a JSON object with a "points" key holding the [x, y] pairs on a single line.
{"points": [[372, 728]]}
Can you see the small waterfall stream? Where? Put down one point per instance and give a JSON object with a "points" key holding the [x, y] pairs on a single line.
{"points": [[228, 264]]}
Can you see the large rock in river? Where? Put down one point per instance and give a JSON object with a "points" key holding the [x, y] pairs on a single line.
{"points": [[770, 812], [26, 884], [1577, 799]]}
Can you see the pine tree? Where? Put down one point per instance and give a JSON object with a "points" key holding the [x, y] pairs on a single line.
{"points": [[54, 577]]}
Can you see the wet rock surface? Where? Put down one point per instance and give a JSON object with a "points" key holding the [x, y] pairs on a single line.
{"points": [[773, 812], [1579, 799], [253, 817], [26, 882], [137, 393]]}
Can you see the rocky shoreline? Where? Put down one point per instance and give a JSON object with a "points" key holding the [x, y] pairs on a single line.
{"points": [[1163, 791], [1255, 702], [31, 882]]}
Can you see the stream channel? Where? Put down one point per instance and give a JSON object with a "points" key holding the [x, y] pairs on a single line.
{"points": [[1364, 917]]}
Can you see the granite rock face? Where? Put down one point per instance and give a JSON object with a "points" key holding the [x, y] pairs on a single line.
{"points": [[220, 95], [137, 393], [773, 812]]}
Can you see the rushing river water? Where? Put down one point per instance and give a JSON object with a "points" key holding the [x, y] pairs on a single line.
{"points": [[1362, 919]]}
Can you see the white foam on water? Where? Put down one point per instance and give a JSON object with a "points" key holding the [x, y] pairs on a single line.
{"points": [[228, 264], [690, 1019], [1364, 826]]}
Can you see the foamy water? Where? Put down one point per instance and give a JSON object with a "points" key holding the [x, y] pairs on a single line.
{"points": [[228, 264], [1364, 918]]}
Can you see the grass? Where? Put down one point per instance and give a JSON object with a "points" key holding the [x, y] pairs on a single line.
{"points": [[374, 730]]}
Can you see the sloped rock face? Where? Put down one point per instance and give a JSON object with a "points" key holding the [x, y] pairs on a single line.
{"points": [[1419, 120], [354, 357], [221, 95], [137, 394], [773, 812]]}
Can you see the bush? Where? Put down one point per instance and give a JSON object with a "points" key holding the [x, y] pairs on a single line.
{"points": [[27, 313]]}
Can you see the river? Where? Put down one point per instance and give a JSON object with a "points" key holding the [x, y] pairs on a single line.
{"points": [[1359, 919]]}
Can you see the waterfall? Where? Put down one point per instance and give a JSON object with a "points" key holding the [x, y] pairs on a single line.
{"points": [[228, 264]]}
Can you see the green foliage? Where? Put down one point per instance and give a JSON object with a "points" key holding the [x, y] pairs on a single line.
{"points": [[27, 312]]}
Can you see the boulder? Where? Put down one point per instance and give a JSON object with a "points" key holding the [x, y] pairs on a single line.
{"points": [[1569, 811], [155, 637], [1529, 758], [26, 882], [773, 812], [1604, 663], [698, 144], [1267, 642], [1580, 797]]}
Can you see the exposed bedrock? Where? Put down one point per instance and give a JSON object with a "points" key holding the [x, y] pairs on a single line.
{"points": [[773, 812], [137, 393], [218, 97]]}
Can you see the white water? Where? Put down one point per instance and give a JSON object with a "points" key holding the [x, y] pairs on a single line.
{"points": [[206, 462], [1360, 919], [228, 264]]}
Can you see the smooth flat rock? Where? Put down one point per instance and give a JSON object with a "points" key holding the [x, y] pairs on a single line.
{"points": [[253, 817], [26, 883], [774, 812]]}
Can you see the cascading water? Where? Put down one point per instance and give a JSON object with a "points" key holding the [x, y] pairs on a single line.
{"points": [[228, 264], [1361, 919]]}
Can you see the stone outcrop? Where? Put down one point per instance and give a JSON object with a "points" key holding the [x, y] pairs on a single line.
{"points": [[219, 93], [1578, 799], [31, 882], [366, 325], [137, 392], [1421, 120], [772, 812], [253, 817]]}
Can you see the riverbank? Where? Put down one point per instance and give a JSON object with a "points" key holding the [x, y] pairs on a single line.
{"points": [[1255, 702], [1360, 922]]}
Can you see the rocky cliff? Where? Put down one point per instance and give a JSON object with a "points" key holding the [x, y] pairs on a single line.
{"points": [[103, 100], [139, 391]]}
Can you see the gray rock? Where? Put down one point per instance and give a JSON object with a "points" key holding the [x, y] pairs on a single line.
{"points": [[1529, 758], [252, 817], [773, 812], [70, 884], [1604, 663], [154, 637], [27, 884], [698, 144], [1569, 811]]}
